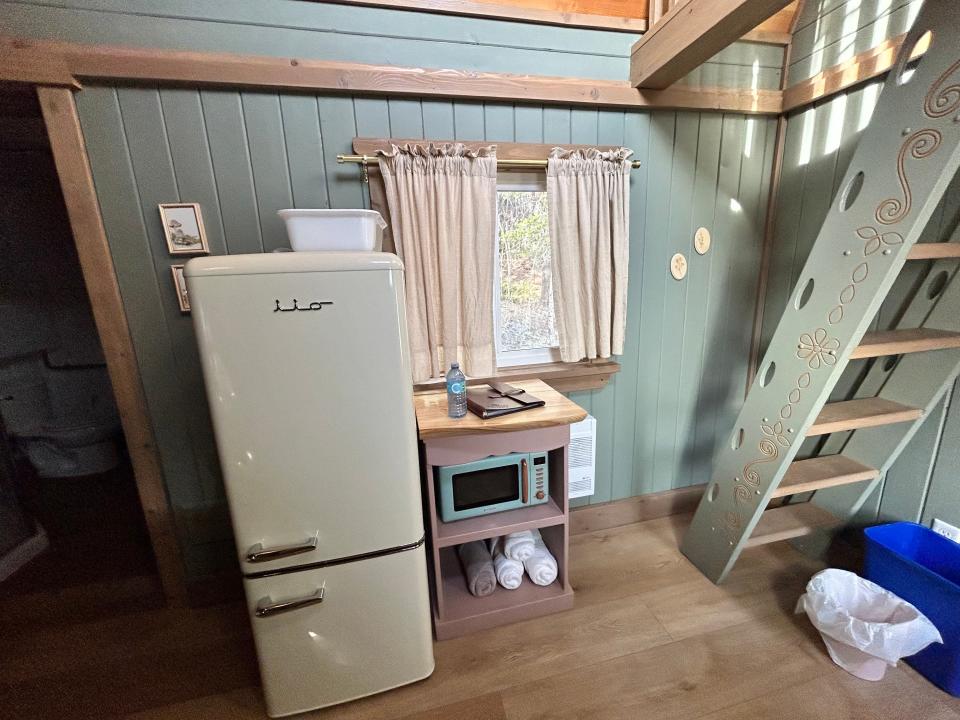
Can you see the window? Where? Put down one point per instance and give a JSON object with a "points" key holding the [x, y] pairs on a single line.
{"points": [[526, 331]]}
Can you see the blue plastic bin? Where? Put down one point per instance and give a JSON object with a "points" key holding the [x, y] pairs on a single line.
{"points": [[923, 568]]}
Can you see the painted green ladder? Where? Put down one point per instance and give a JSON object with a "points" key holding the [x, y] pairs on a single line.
{"points": [[901, 168]]}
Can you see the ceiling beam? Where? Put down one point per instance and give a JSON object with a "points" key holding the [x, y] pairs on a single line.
{"points": [[691, 33]]}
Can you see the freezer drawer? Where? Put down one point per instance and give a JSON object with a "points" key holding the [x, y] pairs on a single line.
{"points": [[371, 631]]}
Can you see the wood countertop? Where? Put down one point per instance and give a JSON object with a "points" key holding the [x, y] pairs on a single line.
{"points": [[433, 422]]}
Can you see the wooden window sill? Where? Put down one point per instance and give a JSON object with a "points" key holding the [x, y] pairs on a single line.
{"points": [[563, 377]]}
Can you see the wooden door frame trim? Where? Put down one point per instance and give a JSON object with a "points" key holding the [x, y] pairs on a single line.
{"points": [[766, 252], [68, 64], [495, 11], [86, 223]]}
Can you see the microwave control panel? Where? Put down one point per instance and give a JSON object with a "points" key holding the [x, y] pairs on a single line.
{"points": [[539, 473]]}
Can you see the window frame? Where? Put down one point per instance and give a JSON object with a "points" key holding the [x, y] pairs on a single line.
{"points": [[517, 181]]}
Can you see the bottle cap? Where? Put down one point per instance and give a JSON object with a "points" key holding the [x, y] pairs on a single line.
{"points": [[455, 365]]}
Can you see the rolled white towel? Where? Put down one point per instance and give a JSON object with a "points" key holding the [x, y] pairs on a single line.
{"points": [[542, 565], [477, 567], [509, 572], [518, 545]]}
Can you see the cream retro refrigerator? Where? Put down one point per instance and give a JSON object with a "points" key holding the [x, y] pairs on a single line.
{"points": [[307, 370]]}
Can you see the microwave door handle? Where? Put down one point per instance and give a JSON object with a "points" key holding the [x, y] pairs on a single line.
{"points": [[524, 482]]}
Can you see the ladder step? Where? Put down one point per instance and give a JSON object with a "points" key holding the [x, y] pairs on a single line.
{"points": [[897, 342], [790, 521], [863, 413], [934, 251], [823, 472]]}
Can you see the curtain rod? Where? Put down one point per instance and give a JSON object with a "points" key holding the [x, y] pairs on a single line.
{"points": [[372, 160]]}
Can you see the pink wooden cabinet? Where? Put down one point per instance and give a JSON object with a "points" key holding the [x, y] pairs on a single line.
{"points": [[451, 442]]}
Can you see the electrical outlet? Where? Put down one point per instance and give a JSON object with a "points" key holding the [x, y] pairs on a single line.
{"points": [[947, 530]]}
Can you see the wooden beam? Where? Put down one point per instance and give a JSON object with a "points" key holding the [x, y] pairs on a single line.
{"points": [[869, 64], [561, 14], [227, 69], [96, 262], [691, 33], [21, 62]]}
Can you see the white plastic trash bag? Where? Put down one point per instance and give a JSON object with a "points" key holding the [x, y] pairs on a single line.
{"points": [[864, 627]]}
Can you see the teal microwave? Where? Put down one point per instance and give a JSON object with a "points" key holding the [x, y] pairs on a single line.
{"points": [[491, 485]]}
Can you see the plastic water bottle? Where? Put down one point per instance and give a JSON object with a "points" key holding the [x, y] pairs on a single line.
{"points": [[456, 392]]}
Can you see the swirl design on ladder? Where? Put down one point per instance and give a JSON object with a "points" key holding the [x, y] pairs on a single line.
{"points": [[816, 348], [733, 524], [920, 145], [941, 100], [768, 448], [741, 494]]}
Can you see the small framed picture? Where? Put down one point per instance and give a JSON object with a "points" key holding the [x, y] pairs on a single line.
{"points": [[183, 228], [180, 285]]}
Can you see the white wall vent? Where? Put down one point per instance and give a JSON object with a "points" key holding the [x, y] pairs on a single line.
{"points": [[583, 457]]}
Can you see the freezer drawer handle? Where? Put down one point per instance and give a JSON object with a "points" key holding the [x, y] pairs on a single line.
{"points": [[260, 554], [288, 605]]}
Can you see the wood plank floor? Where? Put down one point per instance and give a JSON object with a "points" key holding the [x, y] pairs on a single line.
{"points": [[649, 638]]}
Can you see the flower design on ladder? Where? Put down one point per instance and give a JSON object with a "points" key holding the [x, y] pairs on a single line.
{"points": [[874, 239], [818, 349], [776, 432]]}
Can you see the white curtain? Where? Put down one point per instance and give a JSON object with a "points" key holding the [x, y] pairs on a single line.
{"points": [[588, 192], [441, 204]]}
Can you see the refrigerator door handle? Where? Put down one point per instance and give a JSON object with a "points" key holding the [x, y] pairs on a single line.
{"points": [[265, 608], [260, 554]]}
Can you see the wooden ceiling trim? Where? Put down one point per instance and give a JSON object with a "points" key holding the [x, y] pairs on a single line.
{"points": [[869, 64], [34, 59], [19, 62], [574, 14]]}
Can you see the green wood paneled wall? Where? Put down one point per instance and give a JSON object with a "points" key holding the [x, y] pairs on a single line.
{"points": [[243, 155], [819, 143], [831, 31], [324, 31]]}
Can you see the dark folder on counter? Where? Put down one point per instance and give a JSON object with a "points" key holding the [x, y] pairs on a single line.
{"points": [[496, 399]]}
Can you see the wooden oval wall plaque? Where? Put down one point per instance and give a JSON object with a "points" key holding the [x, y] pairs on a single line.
{"points": [[701, 240], [678, 266]]}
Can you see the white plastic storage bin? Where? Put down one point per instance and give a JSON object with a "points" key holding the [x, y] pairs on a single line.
{"points": [[313, 230]]}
